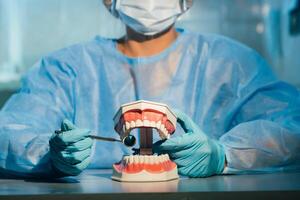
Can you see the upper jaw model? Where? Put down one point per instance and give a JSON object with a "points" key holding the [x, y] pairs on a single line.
{"points": [[145, 167]]}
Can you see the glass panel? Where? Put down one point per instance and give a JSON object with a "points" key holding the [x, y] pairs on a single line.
{"points": [[30, 29]]}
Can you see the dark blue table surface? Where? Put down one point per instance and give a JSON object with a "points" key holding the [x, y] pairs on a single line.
{"points": [[96, 184]]}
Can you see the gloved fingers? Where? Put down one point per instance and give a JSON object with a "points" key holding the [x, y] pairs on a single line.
{"points": [[190, 166], [173, 144], [78, 157], [63, 167], [179, 143], [203, 161], [67, 125], [84, 164], [71, 158], [71, 170], [60, 164], [69, 137], [191, 160], [191, 172], [80, 145], [56, 143], [196, 169], [186, 122], [157, 146], [188, 153]]}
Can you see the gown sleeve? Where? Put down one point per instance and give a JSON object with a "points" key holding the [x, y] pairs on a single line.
{"points": [[264, 131], [30, 116]]}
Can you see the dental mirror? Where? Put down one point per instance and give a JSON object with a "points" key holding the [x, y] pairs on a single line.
{"points": [[129, 140]]}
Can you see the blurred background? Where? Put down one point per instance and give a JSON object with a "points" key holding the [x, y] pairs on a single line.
{"points": [[30, 29]]}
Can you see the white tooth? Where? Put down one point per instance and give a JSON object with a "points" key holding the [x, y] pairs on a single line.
{"points": [[146, 159], [151, 159], [161, 158], [156, 159], [135, 159], [152, 123], [146, 123], [130, 159], [139, 123], [126, 159], [165, 132], [127, 125], [158, 124], [161, 135], [132, 124], [141, 159], [162, 128], [168, 136], [167, 157]]}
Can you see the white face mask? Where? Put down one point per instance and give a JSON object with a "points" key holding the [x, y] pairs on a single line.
{"points": [[148, 17]]}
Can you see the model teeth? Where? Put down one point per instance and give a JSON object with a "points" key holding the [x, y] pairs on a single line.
{"points": [[163, 132], [156, 159], [126, 159], [146, 160], [127, 125], [146, 123], [130, 159], [158, 124], [139, 123], [153, 159], [162, 128], [141, 159], [136, 159], [166, 157], [132, 124], [152, 124]]}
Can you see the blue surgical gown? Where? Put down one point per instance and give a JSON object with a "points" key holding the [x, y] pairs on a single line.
{"points": [[227, 89]]}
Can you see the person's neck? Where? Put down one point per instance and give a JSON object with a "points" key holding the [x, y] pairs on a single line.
{"points": [[137, 45]]}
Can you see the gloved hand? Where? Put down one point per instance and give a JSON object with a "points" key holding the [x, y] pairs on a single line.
{"points": [[195, 154], [70, 150]]}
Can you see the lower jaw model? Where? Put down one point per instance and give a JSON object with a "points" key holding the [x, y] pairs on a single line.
{"points": [[145, 167]]}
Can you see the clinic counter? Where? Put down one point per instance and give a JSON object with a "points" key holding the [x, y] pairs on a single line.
{"points": [[96, 184]]}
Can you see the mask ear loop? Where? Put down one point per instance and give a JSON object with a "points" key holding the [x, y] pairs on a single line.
{"points": [[112, 7], [185, 5]]}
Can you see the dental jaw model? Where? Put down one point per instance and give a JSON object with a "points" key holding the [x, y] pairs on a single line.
{"points": [[145, 167]]}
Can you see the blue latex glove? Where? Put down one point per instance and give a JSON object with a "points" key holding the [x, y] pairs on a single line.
{"points": [[195, 154], [71, 149]]}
